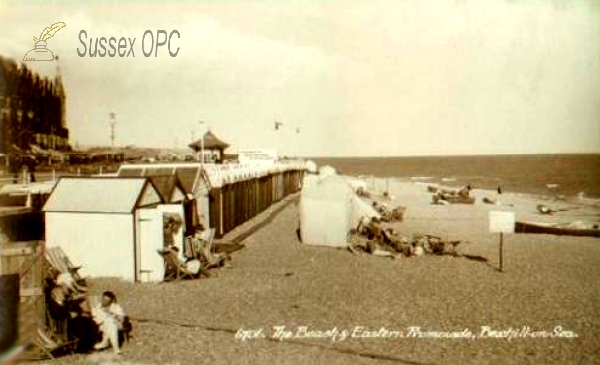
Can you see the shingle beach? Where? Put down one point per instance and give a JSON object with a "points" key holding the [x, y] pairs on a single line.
{"points": [[298, 304]]}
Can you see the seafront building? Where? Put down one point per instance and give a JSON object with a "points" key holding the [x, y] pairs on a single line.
{"points": [[32, 110]]}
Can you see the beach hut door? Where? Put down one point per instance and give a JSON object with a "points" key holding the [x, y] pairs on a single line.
{"points": [[151, 266], [203, 208]]}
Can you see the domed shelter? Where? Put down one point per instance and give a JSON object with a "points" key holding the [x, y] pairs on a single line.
{"points": [[209, 148]]}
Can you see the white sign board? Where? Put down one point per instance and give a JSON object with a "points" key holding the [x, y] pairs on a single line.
{"points": [[257, 155], [502, 222]]}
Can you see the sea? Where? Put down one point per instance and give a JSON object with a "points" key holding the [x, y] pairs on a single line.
{"points": [[568, 175]]}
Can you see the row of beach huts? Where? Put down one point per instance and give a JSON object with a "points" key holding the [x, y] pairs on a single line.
{"points": [[112, 224]]}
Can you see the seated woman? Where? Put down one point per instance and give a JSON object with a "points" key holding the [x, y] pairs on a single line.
{"points": [[111, 319], [68, 318], [82, 326], [57, 305]]}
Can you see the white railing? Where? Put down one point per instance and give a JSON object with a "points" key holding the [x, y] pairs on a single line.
{"points": [[220, 175], [223, 174]]}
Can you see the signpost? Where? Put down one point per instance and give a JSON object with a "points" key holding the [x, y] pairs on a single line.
{"points": [[502, 222]]}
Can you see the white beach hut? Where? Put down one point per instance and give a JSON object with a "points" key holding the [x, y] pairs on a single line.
{"points": [[111, 226], [326, 212]]}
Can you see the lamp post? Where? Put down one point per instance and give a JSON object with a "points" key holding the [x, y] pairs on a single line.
{"points": [[112, 123], [278, 124], [201, 122]]}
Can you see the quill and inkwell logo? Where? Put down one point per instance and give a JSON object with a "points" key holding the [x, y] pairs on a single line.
{"points": [[40, 52]]}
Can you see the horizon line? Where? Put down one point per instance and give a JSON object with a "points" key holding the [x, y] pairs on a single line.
{"points": [[85, 146]]}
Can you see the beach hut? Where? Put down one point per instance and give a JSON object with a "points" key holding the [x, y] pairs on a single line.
{"points": [[112, 226], [193, 180], [172, 191], [326, 212], [170, 188]]}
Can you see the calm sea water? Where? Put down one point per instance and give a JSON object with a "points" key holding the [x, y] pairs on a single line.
{"points": [[515, 173]]}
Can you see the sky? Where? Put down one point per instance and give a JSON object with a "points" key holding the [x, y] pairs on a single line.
{"points": [[355, 78]]}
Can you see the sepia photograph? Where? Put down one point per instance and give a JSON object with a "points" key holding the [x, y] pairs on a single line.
{"points": [[411, 182]]}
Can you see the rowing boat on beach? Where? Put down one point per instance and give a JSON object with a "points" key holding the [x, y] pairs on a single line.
{"points": [[458, 199], [451, 198], [568, 229]]}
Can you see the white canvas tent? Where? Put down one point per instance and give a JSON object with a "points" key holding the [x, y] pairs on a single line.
{"points": [[326, 171], [326, 213], [361, 210], [356, 184], [309, 180], [311, 167], [109, 225]]}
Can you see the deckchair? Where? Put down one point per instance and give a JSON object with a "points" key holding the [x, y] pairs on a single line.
{"points": [[174, 269], [209, 238], [60, 262], [202, 248], [208, 255], [53, 336], [50, 347]]}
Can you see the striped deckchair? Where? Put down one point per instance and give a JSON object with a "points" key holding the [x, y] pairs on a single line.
{"points": [[57, 258], [175, 269]]}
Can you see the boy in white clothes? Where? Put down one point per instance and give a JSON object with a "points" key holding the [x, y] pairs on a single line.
{"points": [[109, 316]]}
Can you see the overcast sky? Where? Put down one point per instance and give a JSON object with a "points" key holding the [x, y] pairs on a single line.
{"points": [[356, 77]]}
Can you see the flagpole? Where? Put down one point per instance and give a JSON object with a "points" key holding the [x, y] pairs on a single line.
{"points": [[201, 122]]}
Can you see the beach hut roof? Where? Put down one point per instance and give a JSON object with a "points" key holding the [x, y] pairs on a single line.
{"points": [[211, 142], [325, 171], [169, 187], [332, 187], [187, 175], [101, 195]]}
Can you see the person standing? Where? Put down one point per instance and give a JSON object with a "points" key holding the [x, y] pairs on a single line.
{"points": [[31, 166], [168, 232]]}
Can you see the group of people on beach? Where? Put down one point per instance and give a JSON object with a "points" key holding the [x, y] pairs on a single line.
{"points": [[73, 319], [461, 195], [197, 255], [447, 196], [372, 237]]}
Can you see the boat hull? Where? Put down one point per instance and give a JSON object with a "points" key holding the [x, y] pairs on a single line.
{"points": [[459, 199], [541, 228]]}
